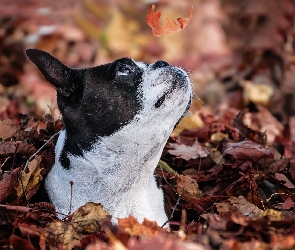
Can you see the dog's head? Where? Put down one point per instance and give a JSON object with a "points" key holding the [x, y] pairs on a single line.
{"points": [[99, 101]]}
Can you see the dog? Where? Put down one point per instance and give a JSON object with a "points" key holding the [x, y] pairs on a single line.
{"points": [[117, 118]]}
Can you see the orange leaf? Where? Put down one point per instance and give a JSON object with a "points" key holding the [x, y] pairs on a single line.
{"points": [[169, 26]]}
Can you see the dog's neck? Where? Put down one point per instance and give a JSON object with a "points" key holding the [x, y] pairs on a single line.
{"points": [[123, 160]]}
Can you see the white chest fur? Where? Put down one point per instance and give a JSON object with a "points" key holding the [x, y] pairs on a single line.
{"points": [[119, 177]]}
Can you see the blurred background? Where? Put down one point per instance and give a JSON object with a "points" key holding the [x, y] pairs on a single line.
{"points": [[239, 54]]}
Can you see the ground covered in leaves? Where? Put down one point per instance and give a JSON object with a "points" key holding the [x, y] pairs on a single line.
{"points": [[228, 169]]}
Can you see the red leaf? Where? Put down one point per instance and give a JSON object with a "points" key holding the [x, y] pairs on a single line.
{"points": [[287, 182], [169, 26], [247, 150], [288, 204], [13, 147], [7, 184]]}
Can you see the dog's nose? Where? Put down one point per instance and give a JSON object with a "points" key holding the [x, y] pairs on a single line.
{"points": [[160, 64]]}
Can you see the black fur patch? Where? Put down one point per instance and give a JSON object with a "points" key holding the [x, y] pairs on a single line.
{"points": [[94, 102]]}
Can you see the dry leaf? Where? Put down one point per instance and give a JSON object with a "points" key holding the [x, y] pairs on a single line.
{"points": [[10, 148], [31, 178], [288, 204], [163, 242], [247, 150], [188, 152], [134, 228], [7, 129], [190, 121], [245, 207], [188, 188], [257, 93], [86, 220], [7, 183], [283, 178], [169, 26]]}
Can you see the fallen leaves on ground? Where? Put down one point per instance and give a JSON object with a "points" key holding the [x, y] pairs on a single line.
{"points": [[170, 26], [228, 170], [85, 221]]}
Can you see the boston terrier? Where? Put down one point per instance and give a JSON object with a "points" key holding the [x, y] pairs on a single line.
{"points": [[117, 118]]}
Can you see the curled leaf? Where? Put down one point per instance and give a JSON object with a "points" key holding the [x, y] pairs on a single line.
{"points": [[169, 26]]}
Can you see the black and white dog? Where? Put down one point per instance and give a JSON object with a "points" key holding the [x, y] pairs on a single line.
{"points": [[117, 118]]}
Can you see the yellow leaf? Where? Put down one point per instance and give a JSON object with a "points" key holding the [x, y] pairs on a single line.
{"points": [[190, 121], [87, 219], [30, 178], [257, 93]]}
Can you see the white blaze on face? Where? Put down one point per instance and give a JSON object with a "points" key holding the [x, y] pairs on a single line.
{"points": [[170, 80]]}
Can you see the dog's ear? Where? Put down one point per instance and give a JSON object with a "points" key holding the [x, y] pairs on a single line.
{"points": [[53, 70]]}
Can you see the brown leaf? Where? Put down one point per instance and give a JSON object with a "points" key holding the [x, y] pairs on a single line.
{"points": [[30, 229], [288, 204], [188, 188], [9, 148], [86, 220], [19, 243], [134, 228], [31, 178], [163, 242], [287, 182], [246, 150], [245, 207], [7, 129], [7, 183], [188, 152], [246, 132], [169, 26], [224, 207]]}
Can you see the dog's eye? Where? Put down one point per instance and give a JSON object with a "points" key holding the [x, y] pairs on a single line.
{"points": [[124, 70]]}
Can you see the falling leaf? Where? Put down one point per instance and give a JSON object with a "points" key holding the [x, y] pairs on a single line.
{"points": [[188, 188], [188, 152], [169, 26]]}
